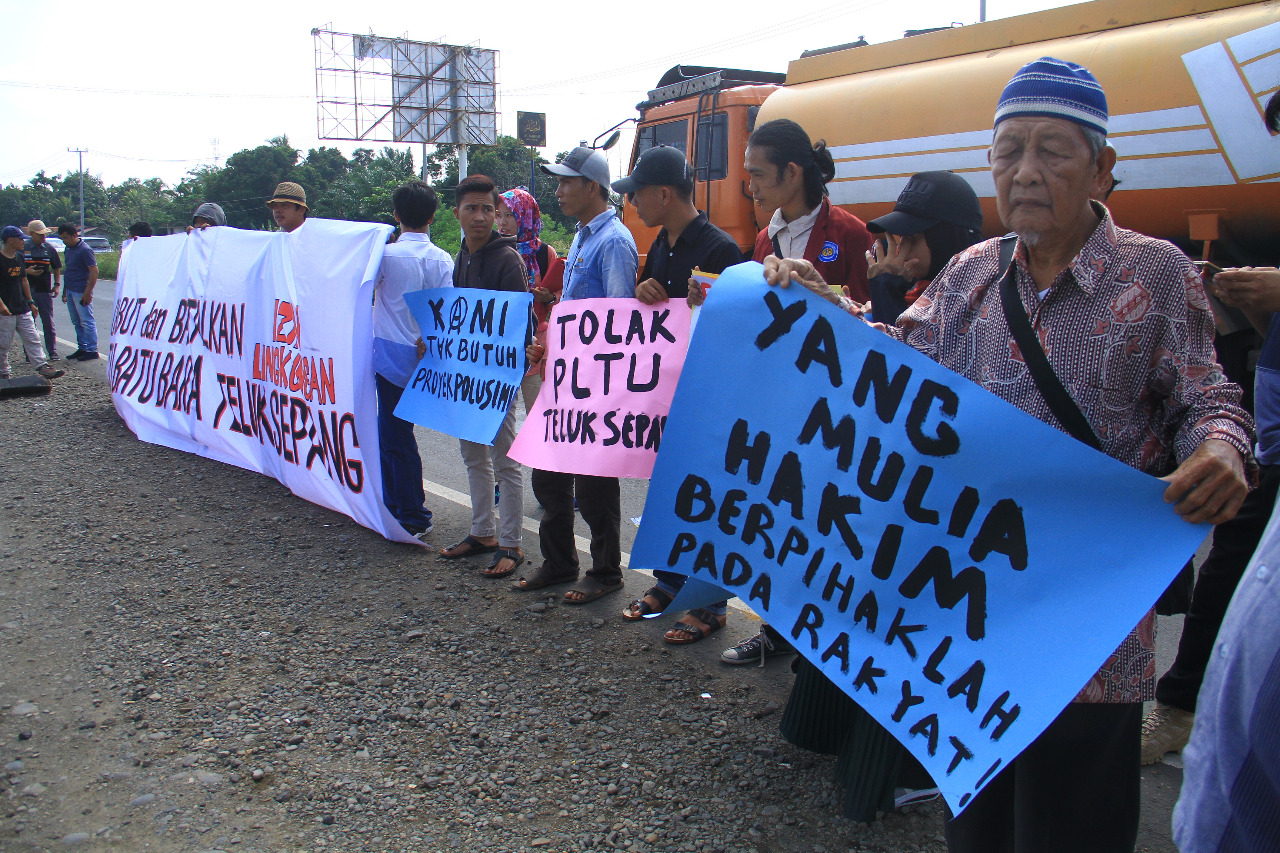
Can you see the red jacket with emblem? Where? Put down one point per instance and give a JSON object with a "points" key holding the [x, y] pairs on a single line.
{"points": [[837, 248]]}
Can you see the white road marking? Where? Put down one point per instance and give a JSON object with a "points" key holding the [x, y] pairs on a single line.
{"points": [[529, 524], [584, 544]]}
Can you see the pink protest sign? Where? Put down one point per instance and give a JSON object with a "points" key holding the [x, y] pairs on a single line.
{"points": [[612, 367]]}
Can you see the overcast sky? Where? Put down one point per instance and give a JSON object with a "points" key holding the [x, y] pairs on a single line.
{"points": [[149, 90]]}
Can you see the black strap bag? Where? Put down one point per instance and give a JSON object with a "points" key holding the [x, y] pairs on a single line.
{"points": [[1175, 599]]}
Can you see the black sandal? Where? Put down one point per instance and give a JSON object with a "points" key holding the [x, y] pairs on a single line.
{"points": [[704, 616], [474, 546], [517, 560], [644, 608]]}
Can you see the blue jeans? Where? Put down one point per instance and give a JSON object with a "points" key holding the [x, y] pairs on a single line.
{"points": [[402, 491], [82, 319], [671, 583]]}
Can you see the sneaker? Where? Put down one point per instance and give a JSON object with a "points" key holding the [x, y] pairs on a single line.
{"points": [[53, 356], [75, 356], [1165, 729], [49, 372], [422, 534], [768, 643], [86, 356]]}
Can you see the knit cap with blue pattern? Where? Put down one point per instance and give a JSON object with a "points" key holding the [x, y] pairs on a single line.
{"points": [[1054, 88]]}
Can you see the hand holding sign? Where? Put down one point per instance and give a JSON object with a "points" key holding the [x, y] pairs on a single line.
{"points": [[959, 568], [474, 360], [612, 366]]}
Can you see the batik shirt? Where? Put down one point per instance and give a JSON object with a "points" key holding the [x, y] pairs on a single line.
{"points": [[1128, 331]]}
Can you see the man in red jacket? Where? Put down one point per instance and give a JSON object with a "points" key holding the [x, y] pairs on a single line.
{"points": [[789, 176]]}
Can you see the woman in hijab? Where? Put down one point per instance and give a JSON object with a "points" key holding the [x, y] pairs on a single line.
{"points": [[518, 216]]}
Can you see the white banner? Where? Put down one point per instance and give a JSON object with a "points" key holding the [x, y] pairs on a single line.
{"points": [[255, 349]]}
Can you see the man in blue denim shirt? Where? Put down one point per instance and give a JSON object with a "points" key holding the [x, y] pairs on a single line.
{"points": [[602, 262], [603, 259]]}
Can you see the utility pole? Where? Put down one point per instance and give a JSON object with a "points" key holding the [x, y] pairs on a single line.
{"points": [[982, 11], [80, 152]]}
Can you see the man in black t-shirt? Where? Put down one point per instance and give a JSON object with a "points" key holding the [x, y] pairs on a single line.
{"points": [[15, 306], [44, 277], [661, 190]]}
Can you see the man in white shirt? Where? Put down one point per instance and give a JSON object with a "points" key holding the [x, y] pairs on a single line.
{"points": [[410, 264]]}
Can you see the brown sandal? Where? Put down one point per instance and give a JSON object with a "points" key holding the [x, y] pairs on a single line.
{"points": [[542, 576], [591, 588]]}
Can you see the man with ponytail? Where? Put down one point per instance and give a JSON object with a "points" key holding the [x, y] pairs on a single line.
{"points": [[789, 175]]}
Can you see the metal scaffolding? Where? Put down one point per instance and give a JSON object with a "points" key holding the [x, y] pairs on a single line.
{"points": [[370, 88]]}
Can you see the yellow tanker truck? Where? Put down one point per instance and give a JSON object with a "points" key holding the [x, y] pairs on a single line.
{"points": [[1186, 81]]}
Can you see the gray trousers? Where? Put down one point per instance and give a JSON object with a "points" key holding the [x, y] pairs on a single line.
{"points": [[490, 464], [25, 326]]}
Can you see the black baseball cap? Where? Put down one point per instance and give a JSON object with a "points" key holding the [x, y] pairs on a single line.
{"points": [[660, 166], [930, 198]]}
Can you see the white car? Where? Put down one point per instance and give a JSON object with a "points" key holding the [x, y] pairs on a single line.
{"points": [[52, 241]]}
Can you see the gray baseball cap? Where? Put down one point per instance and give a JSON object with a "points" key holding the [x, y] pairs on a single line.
{"points": [[582, 162]]}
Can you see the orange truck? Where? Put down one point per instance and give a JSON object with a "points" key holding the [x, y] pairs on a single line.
{"points": [[1186, 81]]}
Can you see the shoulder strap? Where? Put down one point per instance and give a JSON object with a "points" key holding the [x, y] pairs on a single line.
{"points": [[777, 246], [1064, 408]]}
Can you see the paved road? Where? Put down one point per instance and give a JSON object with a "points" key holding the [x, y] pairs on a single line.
{"points": [[445, 480]]}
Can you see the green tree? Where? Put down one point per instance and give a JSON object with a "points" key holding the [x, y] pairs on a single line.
{"points": [[507, 163], [96, 202], [364, 192], [446, 232], [149, 200], [320, 168], [243, 186]]}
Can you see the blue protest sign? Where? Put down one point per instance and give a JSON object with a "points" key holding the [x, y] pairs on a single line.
{"points": [[957, 567], [474, 362]]}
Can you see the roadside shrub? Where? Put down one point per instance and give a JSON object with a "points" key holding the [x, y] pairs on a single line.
{"points": [[108, 264]]}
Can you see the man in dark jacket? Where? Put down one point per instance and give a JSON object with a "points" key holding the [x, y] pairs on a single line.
{"points": [[660, 188], [489, 261]]}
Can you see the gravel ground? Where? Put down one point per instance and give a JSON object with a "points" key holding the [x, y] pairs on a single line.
{"points": [[193, 659]]}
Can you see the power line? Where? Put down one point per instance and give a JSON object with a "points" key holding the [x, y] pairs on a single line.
{"points": [[33, 167], [152, 159], [155, 92]]}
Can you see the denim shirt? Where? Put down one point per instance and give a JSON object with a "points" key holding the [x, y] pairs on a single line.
{"points": [[1229, 800], [602, 261]]}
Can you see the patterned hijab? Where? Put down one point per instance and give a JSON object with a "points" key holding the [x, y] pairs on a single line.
{"points": [[529, 225]]}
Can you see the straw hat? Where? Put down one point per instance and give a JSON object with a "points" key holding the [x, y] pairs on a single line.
{"points": [[289, 191], [35, 226]]}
